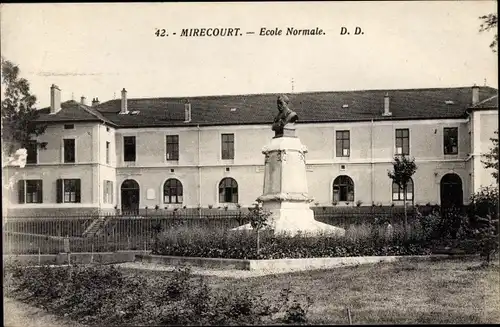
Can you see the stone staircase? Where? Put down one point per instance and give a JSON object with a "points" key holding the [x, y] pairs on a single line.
{"points": [[95, 227]]}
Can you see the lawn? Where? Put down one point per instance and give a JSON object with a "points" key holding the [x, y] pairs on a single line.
{"points": [[445, 291]]}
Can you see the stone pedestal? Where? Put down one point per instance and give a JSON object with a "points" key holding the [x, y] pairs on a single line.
{"points": [[285, 192]]}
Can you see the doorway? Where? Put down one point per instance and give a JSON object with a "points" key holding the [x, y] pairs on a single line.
{"points": [[130, 195], [451, 191]]}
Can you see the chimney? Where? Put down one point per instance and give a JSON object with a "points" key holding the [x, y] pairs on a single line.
{"points": [[187, 112], [95, 102], [387, 111], [124, 109], [475, 95], [55, 99], [83, 100]]}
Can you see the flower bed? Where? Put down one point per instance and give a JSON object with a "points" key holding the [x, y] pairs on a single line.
{"points": [[103, 296], [361, 240]]}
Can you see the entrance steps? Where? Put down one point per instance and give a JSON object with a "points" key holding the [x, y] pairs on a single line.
{"points": [[95, 227]]}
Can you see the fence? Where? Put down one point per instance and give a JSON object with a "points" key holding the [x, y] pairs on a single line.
{"points": [[46, 235]]}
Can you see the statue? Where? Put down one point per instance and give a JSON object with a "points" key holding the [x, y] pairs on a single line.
{"points": [[284, 117]]}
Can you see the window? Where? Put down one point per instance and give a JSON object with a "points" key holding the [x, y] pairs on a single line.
{"points": [[32, 150], [129, 148], [450, 140], [30, 191], [68, 190], [107, 152], [403, 141], [343, 189], [227, 146], [398, 193], [108, 192], [172, 147], [69, 150], [342, 143], [172, 191], [228, 191], [69, 126]]}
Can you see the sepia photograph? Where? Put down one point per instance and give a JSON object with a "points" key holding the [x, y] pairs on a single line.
{"points": [[250, 163]]}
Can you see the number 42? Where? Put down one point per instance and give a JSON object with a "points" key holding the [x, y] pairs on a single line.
{"points": [[161, 32]]}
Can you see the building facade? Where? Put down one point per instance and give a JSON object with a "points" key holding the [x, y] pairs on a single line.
{"points": [[133, 154]]}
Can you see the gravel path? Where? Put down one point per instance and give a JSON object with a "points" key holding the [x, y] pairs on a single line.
{"points": [[201, 271], [18, 314]]}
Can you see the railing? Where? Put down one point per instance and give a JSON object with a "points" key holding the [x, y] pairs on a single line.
{"points": [[46, 234]]}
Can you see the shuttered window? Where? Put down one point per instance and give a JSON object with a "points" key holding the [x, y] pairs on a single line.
{"points": [[227, 146], [68, 191], [30, 191]]}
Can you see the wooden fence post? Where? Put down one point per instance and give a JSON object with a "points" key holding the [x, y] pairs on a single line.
{"points": [[67, 249], [349, 316]]}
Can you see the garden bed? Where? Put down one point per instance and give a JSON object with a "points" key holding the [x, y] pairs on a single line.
{"points": [[410, 292], [276, 265]]}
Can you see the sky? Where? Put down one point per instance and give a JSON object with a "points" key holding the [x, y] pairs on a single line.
{"points": [[96, 50]]}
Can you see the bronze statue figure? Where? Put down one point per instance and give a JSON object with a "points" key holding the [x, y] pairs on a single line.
{"points": [[284, 116]]}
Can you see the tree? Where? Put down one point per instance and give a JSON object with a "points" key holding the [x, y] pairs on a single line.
{"points": [[403, 170], [491, 158], [19, 116], [487, 236], [258, 220], [490, 23]]}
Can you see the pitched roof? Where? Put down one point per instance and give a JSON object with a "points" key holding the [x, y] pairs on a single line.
{"points": [[72, 111], [488, 103], [309, 106]]}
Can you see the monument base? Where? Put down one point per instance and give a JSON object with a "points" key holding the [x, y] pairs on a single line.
{"points": [[291, 218], [285, 192]]}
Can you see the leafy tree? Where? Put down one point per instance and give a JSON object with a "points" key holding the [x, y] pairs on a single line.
{"points": [[490, 23], [491, 158], [18, 113], [258, 220], [487, 235], [485, 202], [403, 170]]}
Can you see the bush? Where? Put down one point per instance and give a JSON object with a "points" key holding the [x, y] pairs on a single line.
{"points": [[485, 202], [360, 240], [102, 295]]}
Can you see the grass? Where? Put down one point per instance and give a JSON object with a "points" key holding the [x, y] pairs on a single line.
{"points": [[445, 291]]}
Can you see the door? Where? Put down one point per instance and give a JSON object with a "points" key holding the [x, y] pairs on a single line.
{"points": [[451, 203], [451, 191], [130, 197]]}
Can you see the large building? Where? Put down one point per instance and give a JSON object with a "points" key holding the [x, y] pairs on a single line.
{"points": [[129, 154]]}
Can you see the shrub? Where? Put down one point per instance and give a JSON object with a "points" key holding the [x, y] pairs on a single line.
{"points": [[484, 202], [360, 240], [103, 296], [431, 226]]}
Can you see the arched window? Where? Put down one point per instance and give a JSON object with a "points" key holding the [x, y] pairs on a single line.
{"points": [[228, 191], [130, 184], [343, 189], [172, 191], [398, 194]]}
